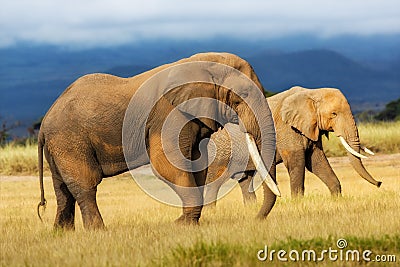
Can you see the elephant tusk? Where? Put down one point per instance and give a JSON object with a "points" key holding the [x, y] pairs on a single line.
{"points": [[367, 150], [262, 170], [348, 148]]}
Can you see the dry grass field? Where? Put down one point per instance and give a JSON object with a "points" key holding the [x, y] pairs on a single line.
{"points": [[380, 137], [141, 232]]}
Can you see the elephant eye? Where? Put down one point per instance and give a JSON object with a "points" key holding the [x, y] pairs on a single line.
{"points": [[236, 101]]}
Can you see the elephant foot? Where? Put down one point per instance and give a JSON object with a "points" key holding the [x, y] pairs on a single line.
{"points": [[65, 220], [64, 226], [297, 194], [94, 222], [95, 226], [190, 215], [187, 220], [336, 195], [336, 191], [261, 217]]}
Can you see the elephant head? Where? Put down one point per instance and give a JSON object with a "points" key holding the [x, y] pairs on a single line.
{"points": [[318, 111]]}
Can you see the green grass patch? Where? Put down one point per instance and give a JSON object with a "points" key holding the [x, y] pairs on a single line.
{"points": [[203, 253]]}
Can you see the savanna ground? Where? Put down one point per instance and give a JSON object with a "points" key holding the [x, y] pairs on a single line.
{"points": [[141, 232]]}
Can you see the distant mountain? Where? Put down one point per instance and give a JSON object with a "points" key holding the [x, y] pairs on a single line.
{"points": [[325, 68], [32, 77], [317, 68]]}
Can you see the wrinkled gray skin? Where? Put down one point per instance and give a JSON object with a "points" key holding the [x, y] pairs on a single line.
{"points": [[81, 136], [227, 164], [302, 116]]}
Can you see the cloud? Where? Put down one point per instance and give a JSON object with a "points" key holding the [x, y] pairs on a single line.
{"points": [[99, 23]]}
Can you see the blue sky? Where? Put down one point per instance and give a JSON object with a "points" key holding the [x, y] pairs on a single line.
{"points": [[105, 23]]}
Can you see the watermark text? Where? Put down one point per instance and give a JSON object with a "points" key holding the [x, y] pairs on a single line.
{"points": [[339, 253]]}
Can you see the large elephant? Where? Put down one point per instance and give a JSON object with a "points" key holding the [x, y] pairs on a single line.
{"points": [[83, 132], [302, 116]]}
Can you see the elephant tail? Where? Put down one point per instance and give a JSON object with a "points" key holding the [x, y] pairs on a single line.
{"points": [[43, 201]]}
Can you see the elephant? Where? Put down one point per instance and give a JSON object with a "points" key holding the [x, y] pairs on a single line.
{"points": [[301, 116], [82, 134], [225, 164]]}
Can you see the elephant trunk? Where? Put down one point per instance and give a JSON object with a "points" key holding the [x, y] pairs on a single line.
{"points": [[351, 142], [269, 196], [259, 124], [360, 169]]}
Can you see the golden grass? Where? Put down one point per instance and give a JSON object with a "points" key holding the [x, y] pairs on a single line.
{"points": [[20, 160], [140, 231]]}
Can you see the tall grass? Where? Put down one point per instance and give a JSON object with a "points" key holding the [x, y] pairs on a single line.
{"points": [[141, 232], [380, 137], [20, 159]]}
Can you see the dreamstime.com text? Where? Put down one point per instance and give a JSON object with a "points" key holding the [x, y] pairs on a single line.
{"points": [[340, 253]]}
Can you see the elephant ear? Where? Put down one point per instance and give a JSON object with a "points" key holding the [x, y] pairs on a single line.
{"points": [[299, 111], [196, 100]]}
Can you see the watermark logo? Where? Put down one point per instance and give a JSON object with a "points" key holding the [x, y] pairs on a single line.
{"points": [[340, 253], [341, 243], [175, 89]]}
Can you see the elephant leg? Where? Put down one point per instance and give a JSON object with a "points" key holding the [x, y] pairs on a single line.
{"points": [[295, 165], [318, 164], [200, 180], [248, 197], [81, 174], [213, 189], [181, 181], [191, 196], [65, 217], [200, 176], [65, 205], [91, 216], [269, 196]]}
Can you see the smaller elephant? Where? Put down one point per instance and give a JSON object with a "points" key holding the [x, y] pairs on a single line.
{"points": [[231, 155], [222, 166], [301, 116]]}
